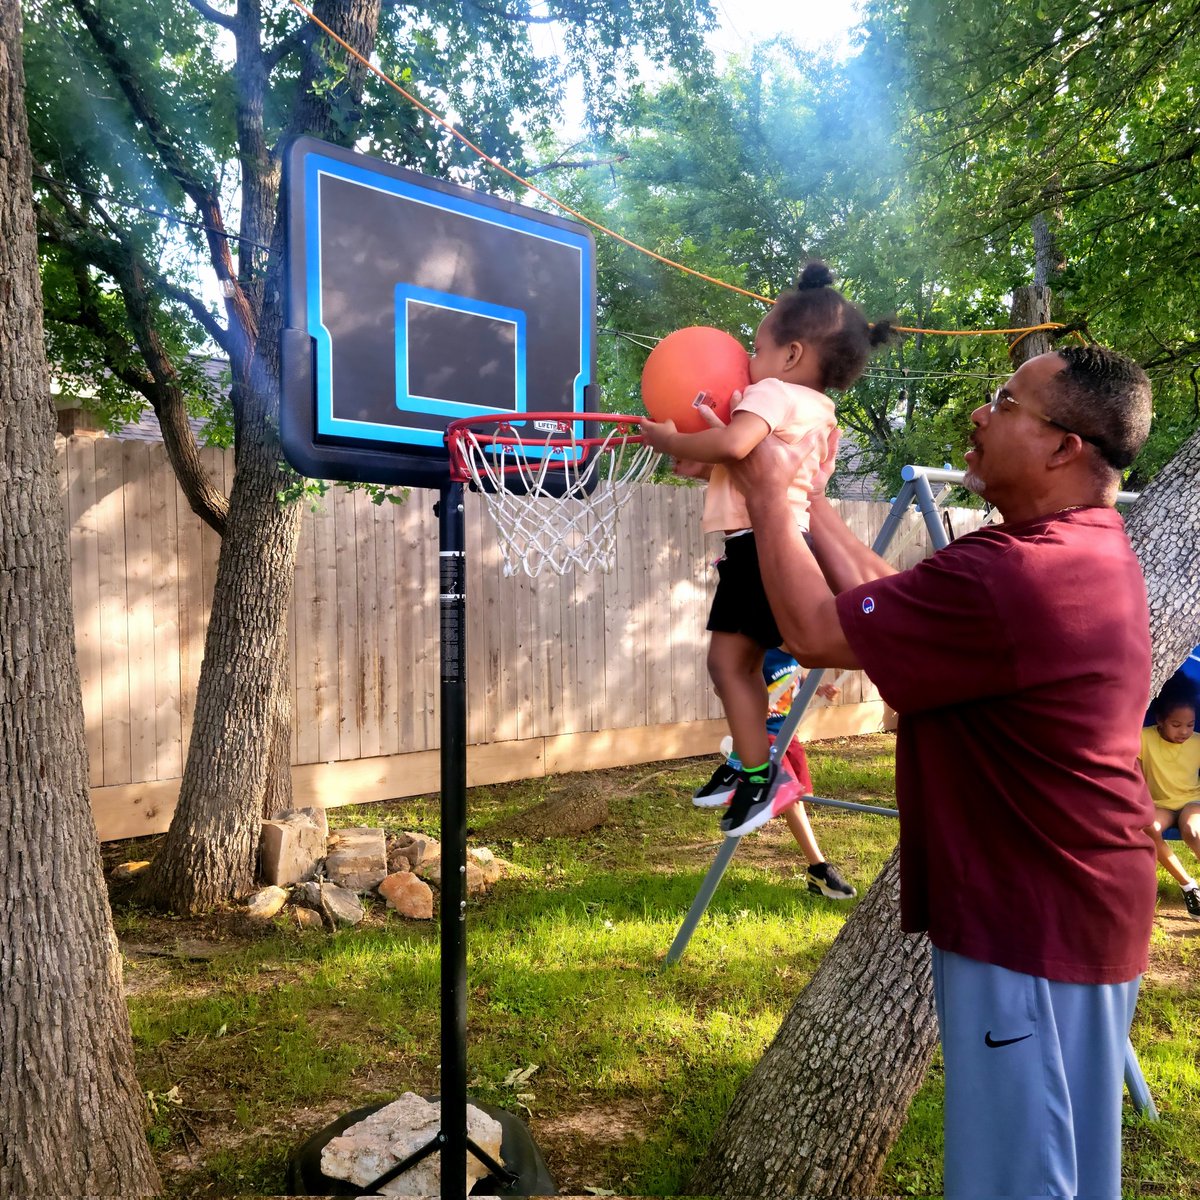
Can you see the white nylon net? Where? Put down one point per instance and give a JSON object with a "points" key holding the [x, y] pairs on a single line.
{"points": [[540, 523]]}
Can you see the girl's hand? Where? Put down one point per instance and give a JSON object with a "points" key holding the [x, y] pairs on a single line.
{"points": [[711, 415], [829, 691], [659, 434]]}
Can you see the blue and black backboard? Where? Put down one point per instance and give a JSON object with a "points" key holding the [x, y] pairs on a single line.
{"points": [[412, 302]]}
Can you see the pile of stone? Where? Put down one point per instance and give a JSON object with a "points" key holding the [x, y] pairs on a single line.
{"points": [[391, 1134], [323, 876]]}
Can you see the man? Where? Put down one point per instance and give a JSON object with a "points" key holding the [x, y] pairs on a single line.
{"points": [[1018, 659]]}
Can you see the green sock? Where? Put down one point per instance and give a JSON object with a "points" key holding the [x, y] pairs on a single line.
{"points": [[756, 774]]}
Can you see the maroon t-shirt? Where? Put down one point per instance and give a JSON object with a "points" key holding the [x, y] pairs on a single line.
{"points": [[1018, 659]]}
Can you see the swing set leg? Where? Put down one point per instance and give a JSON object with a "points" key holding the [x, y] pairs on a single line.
{"points": [[725, 854]]}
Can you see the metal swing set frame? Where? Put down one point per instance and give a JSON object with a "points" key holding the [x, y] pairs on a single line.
{"points": [[917, 489]]}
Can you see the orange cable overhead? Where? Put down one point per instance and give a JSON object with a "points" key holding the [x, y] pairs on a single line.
{"points": [[1024, 329], [612, 233], [512, 174]]}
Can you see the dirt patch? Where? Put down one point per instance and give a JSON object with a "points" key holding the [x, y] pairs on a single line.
{"points": [[1168, 966], [577, 1141]]}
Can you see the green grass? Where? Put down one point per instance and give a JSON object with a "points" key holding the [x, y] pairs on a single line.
{"points": [[277, 1033]]}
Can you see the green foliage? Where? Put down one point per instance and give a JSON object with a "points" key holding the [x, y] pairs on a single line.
{"points": [[1082, 114], [786, 158], [313, 491], [915, 168]]}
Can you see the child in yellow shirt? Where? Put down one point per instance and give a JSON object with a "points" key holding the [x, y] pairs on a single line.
{"points": [[1170, 761]]}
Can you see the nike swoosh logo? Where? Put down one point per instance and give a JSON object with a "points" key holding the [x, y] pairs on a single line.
{"points": [[988, 1040]]}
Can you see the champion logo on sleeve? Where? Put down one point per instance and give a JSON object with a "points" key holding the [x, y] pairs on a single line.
{"points": [[868, 604]]}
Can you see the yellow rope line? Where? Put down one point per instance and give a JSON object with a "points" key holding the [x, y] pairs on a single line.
{"points": [[612, 233], [1025, 329]]}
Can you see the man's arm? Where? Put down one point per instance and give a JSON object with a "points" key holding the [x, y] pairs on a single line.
{"points": [[801, 599], [845, 561]]}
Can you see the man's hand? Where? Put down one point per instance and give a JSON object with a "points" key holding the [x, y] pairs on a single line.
{"points": [[768, 470], [828, 463], [687, 468]]}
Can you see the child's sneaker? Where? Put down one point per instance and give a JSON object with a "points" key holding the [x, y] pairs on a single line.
{"points": [[824, 879], [718, 789], [1191, 901], [755, 802]]}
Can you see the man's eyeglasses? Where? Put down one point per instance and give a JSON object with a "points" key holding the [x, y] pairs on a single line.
{"points": [[1000, 398]]}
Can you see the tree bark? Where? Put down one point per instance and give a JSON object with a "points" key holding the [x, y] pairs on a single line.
{"points": [[864, 1027], [242, 700], [1164, 527], [71, 1110], [1030, 306]]}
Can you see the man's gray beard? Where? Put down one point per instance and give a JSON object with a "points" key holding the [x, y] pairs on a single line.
{"points": [[973, 483]]}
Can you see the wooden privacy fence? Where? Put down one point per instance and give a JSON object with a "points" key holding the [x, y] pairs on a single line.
{"points": [[569, 673]]}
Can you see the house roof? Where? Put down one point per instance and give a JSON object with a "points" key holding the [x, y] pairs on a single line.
{"points": [[854, 480], [147, 429]]}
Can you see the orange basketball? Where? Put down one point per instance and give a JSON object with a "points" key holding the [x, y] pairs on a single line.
{"points": [[690, 363]]}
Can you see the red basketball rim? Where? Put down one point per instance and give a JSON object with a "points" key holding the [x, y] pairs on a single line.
{"points": [[548, 431]]}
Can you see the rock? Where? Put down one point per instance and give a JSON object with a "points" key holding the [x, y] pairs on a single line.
{"points": [[290, 848], [306, 918], [408, 895], [357, 858], [315, 813], [407, 851], [487, 862], [263, 905], [341, 905], [476, 884], [366, 1150], [128, 870]]}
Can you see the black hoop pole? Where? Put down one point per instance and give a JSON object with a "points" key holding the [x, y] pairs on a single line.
{"points": [[452, 576]]}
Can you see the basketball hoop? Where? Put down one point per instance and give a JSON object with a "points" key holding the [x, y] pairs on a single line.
{"points": [[553, 483]]}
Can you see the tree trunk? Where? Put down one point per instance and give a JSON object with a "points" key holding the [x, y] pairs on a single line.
{"points": [[71, 1110], [1048, 262], [242, 699], [1164, 527], [240, 747], [1030, 306], [864, 1027], [278, 795]]}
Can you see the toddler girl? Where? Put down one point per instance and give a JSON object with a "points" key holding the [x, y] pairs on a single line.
{"points": [[811, 340]]}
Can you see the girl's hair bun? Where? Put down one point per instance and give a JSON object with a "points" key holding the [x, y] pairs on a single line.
{"points": [[814, 275], [880, 333]]}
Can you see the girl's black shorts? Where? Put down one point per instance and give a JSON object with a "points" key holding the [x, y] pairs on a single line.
{"points": [[740, 603]]}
